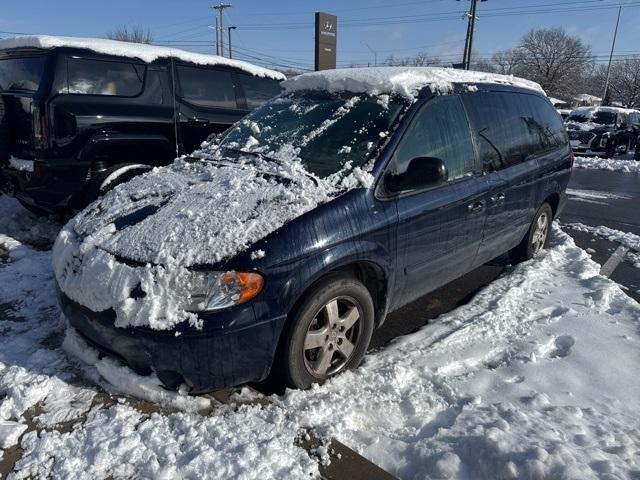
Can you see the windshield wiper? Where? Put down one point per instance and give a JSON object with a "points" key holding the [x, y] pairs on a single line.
{"points": [[268, 158]]}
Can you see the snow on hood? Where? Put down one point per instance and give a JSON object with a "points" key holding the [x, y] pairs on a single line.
{"points": [[146, 53], [406, 81], [147, 232]]}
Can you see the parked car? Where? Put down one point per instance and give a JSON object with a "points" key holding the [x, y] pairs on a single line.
{"points": [[564, 112], [634, 121], [604, 131], [283, 245], [78, 116]]}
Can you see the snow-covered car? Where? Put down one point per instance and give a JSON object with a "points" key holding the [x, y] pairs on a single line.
{"points": [[281, 246], [603, 131]]}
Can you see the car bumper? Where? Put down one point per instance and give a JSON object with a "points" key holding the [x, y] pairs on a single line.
{"points": [[49, 184], [203, 360]]}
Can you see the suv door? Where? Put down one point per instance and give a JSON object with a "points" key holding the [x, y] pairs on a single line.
{"points": [[439, 228], [209, 101]]}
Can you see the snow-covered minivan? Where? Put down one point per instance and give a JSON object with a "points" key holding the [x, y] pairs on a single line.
{"points": [[281, 246]]}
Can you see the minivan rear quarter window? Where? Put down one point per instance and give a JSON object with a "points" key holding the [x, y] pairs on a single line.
{"points": [[207, 88], [102, 77], [21, 73], [512, 127], [258, 90]]}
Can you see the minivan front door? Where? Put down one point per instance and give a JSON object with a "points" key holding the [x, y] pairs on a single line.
{"points": [[439, 228]]}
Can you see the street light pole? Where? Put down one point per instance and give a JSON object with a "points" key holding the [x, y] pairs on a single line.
{"points": [[229, 32], [375, 54], [605, 100]]}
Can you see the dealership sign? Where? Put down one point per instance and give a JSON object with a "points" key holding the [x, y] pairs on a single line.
{"points": [[326, 41]]}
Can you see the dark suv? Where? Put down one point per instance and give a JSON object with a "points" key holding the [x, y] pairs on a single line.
{"points": [[283, 244], [604, 131], [78, 116]]}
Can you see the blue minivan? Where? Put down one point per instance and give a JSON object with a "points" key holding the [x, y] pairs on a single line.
{"points": [[279, 247]]}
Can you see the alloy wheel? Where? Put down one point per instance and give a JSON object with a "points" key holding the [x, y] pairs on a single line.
{"points": [[539, 237], [332, 337]]}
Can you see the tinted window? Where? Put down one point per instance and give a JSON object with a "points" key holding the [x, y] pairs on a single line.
{"points": [[439, 130], [207, 88], [102, 77], [258, 90], [512, 127], [21, 73]]}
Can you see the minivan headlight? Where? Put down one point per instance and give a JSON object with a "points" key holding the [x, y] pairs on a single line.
{"points": [[216, 290]]}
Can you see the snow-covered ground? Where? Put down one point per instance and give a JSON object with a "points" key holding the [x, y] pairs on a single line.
{"points": [[536, 377], [623, 163]]}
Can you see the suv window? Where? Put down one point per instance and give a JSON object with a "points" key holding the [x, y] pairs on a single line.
{"points": [[258, 90], [512, 127], [102, 77], [207, 88], [21, 73], [440, 129]]}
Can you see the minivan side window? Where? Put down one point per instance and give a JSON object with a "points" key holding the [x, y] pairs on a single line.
{"points": [[208, 88], [258, 90], [512, 127], [102, 77], [440, 129]]}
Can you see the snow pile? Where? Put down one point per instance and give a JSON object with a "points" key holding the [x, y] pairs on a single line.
{"points": [[612, 164], [144, 52], [406, 81]]}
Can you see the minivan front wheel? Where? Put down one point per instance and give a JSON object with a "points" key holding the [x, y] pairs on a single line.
{"points": [[537, 237], [330, 332]]}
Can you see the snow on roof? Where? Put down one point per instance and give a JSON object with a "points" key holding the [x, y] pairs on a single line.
{"points": [[585, 97], [146, 53], [556, 101], [407, 81], [587, 110]]}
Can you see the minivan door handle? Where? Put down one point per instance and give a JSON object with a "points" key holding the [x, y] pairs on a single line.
{"points": [[476, 207], [498, 198]]}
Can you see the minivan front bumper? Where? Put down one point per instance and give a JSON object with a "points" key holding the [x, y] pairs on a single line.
{"points": [[203, 360]]}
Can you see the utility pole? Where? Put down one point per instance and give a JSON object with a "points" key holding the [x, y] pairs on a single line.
{"points": [[217, 38], [220, 28], [229, 31], [605, 99], [468, 43]]}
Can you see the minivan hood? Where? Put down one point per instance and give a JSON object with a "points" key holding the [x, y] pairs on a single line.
{"points": [[198, 213]]}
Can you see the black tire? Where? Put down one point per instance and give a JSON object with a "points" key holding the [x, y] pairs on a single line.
{"points": [[296, 364], [611, 149], [96, 188], [529, 247], [4, 135]]}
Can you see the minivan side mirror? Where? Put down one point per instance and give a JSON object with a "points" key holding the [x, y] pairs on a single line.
{"points": [[422, 172]]}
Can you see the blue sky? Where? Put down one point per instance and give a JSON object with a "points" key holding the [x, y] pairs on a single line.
{"points": [[281, 32]]}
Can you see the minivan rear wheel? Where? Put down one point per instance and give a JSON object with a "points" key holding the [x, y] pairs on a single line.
{"points": [[329, 332], [537, 237]]}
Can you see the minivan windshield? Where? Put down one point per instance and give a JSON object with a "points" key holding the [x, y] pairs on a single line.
{"points": [[22, 73], [326, 132], [602, 117]]}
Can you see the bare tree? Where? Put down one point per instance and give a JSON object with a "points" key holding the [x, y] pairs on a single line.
{"points": [[554, 59], [421, 59], [135, 34], [624, 82], [507, 62]]}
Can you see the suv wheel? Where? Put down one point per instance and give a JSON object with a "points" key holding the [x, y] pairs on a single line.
{"points": [[611, 149], [537, 238], [329, 333]]}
